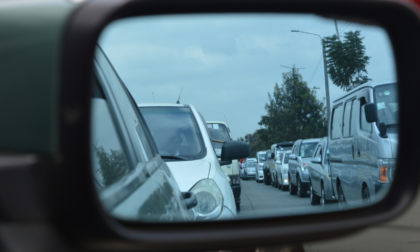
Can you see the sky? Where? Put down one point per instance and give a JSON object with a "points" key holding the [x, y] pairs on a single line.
{"points": [[226, 64]]}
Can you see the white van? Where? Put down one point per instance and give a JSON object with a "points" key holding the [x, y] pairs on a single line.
{"points": [[363, 137], [220, 131]]}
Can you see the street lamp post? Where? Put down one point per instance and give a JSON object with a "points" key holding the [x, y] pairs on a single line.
{"points": [[327, 89]]}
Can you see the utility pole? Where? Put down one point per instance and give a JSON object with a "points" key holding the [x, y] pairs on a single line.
{"points": [[336, 29], [327, 89]]}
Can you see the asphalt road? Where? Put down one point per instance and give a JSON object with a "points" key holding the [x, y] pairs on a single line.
{"points": [[260, 200]]}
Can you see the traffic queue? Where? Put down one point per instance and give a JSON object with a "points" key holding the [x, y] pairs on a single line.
{"points": [[354, 165]]}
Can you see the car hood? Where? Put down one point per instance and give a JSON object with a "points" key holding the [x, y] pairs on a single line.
{"points": [[393, 138], [188, 173]]}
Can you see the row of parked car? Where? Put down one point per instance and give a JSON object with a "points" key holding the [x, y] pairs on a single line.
{"points": [[159, 162], [354, 165]]}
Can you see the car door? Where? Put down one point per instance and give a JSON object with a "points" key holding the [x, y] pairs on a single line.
{"points": [[147, 187], [293, 163], [316, 170], [347, 149], [335, 144]]}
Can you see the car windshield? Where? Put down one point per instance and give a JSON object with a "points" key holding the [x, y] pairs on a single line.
{"points": [[175, 132], [285, 148], [307, 149], [261, 156], [250, 163], [387, 102]]}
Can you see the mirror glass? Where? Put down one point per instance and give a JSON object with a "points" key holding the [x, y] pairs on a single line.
{"points": [[169, 91]]}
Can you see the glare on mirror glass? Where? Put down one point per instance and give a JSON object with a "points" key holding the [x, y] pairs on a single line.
{"points": [[314, 100]]}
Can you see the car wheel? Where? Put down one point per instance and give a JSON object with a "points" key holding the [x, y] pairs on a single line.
{"points": [[314, 199], [300, 191], [341, 199], [238, 206], [292, 188], [322, 200], [366, 196]]}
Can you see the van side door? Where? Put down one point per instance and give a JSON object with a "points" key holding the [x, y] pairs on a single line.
{"points": [[347, 149], [335, 144], [366, 148]]}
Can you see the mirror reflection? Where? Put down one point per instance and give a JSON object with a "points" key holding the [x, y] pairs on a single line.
{"points": [[230, 116]]}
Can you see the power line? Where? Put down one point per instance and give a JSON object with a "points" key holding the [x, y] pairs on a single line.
{"points": [[315, 70]]}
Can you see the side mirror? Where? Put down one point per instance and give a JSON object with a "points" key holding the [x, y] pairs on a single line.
{"points": [[316, 160], [292, 156], [371, 113], [234, 150]]}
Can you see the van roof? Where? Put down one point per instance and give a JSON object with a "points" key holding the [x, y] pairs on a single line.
{"points": [[366, 85]]}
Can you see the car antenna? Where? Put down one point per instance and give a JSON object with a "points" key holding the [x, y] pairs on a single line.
{"points": [[226, 120], [153, 97], [177, 102]]}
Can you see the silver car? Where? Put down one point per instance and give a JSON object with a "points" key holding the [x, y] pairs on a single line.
{"points": [[259, 173], [302, 152], [363, 141], [320, 183], [282, 171], [249, 170]]}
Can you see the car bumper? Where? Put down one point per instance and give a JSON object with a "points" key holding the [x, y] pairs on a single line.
{"points": [[236, 189]]}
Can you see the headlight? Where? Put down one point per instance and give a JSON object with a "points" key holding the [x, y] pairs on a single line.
{"points": [[209, 200], [235, 180], [304, 167], [386, 169]]}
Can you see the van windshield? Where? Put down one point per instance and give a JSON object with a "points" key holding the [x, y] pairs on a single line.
{"points": [[218, 132], [387, 103], [261, 157]]}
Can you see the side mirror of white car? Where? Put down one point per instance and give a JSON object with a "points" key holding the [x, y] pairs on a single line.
{"points": [[234, 150]]}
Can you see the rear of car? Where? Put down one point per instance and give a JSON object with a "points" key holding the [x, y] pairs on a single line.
{"points": [[282, 171]]}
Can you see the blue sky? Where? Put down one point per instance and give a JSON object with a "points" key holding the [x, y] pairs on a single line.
{"points": [[227, 63]]}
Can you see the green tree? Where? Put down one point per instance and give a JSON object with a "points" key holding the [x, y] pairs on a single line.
{"points": [[293, 112], [346, 60]]}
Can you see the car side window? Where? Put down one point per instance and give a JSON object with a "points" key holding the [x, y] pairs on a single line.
{"points": [[109, 160], [346, 119], [336, 122]]}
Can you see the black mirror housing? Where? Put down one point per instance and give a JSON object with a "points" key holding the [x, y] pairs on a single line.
{"points": [[371, 113], [234, 150]]}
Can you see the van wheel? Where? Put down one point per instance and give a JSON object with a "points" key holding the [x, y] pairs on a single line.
{"points": [[292, 188], [238, 206], [322, 200], [366, 196], [266, 180], [312, 196], [341, 198]]}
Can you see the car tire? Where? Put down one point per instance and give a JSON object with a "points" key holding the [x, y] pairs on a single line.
{"points": [[341, 198], [238, 207], [299, 191], [313, 198], [292, 188], [366, 196]]}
